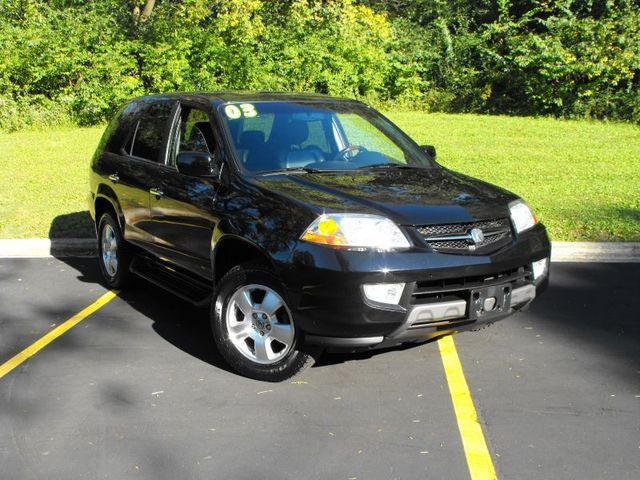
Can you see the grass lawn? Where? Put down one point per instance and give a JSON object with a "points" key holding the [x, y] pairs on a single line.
{"points": [[582, 178]]}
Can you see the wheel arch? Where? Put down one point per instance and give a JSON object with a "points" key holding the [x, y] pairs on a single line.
{"points": [[232, 250], [104, 203]]}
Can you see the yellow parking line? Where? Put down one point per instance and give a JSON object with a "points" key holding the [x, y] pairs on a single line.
{"points": [[42, 342], [475, 446]]}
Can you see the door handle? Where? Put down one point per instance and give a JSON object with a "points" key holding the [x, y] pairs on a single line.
{"points": [[114, 178], [156, 192]]}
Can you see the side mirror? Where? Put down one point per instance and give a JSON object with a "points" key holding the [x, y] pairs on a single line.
{"points": [[197, 164], [429, 150]]}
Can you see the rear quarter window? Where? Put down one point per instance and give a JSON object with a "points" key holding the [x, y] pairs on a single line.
{"points": [[149, 133], [119, 129]]}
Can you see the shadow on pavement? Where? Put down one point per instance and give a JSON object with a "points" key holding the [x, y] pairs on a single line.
{"points": [[596, 305], [179, 323], [337, 357], [185, 326]]}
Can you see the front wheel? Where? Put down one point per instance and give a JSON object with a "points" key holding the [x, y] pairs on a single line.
{"points": [[253, 326]]}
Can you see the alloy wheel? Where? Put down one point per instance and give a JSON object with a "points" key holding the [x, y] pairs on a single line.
{"points": [[109, 245], [259, 324]]}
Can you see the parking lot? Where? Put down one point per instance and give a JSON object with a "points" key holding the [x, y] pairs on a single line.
{"points": [[137, 390]]}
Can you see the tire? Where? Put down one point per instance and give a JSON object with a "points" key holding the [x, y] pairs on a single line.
{"points": [[253, 326], [114, 257]]}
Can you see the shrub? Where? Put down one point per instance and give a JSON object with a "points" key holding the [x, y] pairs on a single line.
{"points": [[77, 60]]}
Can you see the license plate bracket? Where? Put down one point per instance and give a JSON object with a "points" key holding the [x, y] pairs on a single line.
{"points": [[489, 302]]}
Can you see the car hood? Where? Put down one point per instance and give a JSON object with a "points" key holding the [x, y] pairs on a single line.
{"points": [[407, 196]]}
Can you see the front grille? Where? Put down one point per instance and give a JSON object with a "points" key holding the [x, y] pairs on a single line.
{"points": [[464, 245], [455, 238], [438, 290], [458, 228]]}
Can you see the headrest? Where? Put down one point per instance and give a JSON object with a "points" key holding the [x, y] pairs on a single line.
{"points": [[251, 139], [297, 132]]}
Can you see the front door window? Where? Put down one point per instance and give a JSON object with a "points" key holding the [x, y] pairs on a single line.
{"points": [[192, 134]]}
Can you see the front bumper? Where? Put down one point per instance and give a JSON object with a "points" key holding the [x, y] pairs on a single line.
{"points": [[324, 288]]}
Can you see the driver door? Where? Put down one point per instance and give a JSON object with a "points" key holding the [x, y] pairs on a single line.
{"points": [[182, 206]]}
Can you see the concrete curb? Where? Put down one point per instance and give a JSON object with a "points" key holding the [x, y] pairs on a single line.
{"points": [[615, 252], [45, 247]]}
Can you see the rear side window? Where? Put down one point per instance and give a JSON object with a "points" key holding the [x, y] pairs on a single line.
{"points": [[115, 133], [120, 128], [148, 133]]}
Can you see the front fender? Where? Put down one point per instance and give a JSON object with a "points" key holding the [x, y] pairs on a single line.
{"points": [[218, 244], [266, 222]]}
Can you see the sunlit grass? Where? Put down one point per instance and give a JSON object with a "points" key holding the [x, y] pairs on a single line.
{"points": [[43, 175], [582, 178]]}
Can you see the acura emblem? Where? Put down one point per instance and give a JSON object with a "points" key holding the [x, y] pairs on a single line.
{"points": [[476, 236]]}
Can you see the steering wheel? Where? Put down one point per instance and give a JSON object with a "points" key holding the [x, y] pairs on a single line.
{"points": [[353, 149]]}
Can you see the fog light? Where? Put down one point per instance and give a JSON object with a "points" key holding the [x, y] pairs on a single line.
{"points": [[384, 292], [540, 268]]}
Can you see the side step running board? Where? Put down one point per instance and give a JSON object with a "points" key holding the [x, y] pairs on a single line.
{"points": [[187, 287]]}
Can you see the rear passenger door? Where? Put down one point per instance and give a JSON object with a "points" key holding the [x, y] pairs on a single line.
{"points": [[182, 208], [144, 159]]}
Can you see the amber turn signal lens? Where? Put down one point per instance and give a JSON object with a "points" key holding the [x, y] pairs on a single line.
{"points": [[328, 227], [326, 231]]}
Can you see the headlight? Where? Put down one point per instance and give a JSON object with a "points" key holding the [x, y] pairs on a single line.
{"points": [[521, 216], [355, 230]]}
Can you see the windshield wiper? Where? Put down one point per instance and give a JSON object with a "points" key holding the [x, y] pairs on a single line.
{"points": [[389, 165], [292, 170]]}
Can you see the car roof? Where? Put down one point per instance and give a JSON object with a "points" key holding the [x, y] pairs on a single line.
{"points": [[224, 96]]}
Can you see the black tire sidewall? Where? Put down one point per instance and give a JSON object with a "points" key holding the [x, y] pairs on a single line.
{"points": [[122, 275], [296, 360]]}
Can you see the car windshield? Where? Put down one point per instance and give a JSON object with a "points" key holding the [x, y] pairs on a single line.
{"points": [[311, 136]]}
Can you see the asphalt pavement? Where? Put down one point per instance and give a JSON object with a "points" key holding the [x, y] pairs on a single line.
{"points": [[137, 390]]}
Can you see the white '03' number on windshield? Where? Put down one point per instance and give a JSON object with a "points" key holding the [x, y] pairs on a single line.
{"points": [[248, 110], [234, 112]]}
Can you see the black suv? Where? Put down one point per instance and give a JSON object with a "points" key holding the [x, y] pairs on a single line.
{"points": [[305, 222]]}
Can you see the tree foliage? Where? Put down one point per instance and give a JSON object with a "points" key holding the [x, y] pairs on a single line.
{"points": [[74, 61]]}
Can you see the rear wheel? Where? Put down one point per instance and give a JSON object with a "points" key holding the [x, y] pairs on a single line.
{"points": [[113, 256], [253, 326]]}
